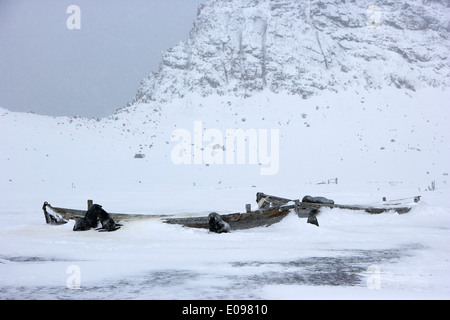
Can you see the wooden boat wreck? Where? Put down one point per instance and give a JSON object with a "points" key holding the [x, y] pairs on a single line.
{"points": [[271, 209]]}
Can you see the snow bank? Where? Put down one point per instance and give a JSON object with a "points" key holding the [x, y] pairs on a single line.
{"points": [[378, 144]]}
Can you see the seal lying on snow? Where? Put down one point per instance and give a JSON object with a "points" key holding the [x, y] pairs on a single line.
{"points": [[108, 223], [322, 200], [89, 221], [92, 217], [216, 224]]}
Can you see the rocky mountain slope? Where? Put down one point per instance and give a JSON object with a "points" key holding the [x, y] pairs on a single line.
{"points": [[303, 47]]}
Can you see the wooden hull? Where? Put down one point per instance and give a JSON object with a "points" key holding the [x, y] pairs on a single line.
{"points": [[76, 213], [237, 221], [263, 217], [368, 209], [267, 217]]}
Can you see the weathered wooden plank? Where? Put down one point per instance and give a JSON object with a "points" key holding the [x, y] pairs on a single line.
{"points": [[269, 199], [237, 221], [272, 210], [67, 213], [368, 209]]}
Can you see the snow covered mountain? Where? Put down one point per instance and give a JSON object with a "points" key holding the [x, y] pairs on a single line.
{"points": [[240, 47], [351, 90]]}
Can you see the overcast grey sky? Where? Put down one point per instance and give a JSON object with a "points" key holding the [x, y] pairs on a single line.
{"points": [[47, 68]]}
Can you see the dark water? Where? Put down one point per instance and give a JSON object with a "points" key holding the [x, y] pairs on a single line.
{"points": [[237, 280]]}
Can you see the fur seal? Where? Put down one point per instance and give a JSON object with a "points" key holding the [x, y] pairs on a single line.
{"points": [[321, 200], [82, 224], [108, 223], [312, 219], [216, 224], [89, 221]]}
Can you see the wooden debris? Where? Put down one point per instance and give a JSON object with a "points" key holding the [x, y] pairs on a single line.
{"points": [[271, 209]]}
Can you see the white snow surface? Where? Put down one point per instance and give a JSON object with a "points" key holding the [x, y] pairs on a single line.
{"points": [[380, 143], [367, 105]]}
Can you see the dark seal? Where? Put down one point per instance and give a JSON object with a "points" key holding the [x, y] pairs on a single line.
{"points": [[90, 219], [321, 200], [312, 219], [216, 224], [108, 223]]}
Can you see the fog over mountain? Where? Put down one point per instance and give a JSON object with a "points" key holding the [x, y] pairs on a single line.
{"points": [[240, 47], [90, 70]]}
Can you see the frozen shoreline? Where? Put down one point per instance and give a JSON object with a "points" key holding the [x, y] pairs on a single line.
{"points": [[407, 254], [389, 146]]}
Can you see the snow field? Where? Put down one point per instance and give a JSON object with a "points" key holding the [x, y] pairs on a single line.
{"points": [[153, 260], [378, 144]]}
